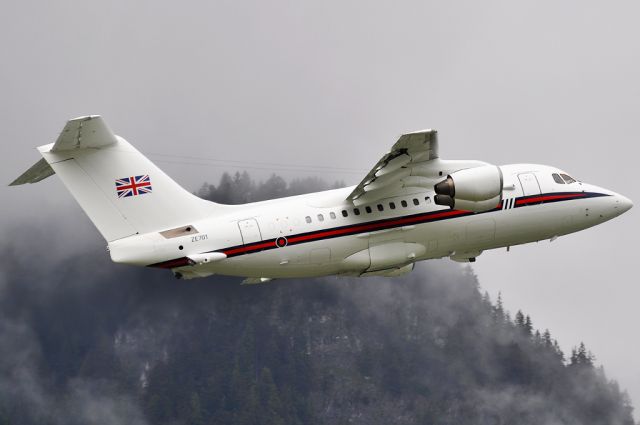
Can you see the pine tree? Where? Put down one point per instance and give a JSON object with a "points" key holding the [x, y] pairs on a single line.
{"points": [[486, 299], [243, 187], [251, 411], [272, 408], [498, 310], [537, 338], [583, 356], [558, 350], [574, 357], [546, 339], [274, 187], [195, 411], [528, 325], [520, 321], [627, 405]]}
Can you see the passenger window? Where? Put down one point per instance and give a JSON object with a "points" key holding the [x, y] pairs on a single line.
{"points": [[307, 219], [356, 211], [568, 179], [380, 207], [557, 178], [320, 217], [368, 209], [332, 215], [403, 203], [345, 213], [415, 201], [392, 205]]}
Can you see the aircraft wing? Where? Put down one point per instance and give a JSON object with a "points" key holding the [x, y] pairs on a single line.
{"points": [[397, 169]]}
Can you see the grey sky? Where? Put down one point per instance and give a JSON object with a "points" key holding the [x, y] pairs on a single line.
{"points": [[334, 84]]}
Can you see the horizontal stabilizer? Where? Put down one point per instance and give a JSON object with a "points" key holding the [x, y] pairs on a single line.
{"points": [[90, 132], [84, 132], [38, 171]]}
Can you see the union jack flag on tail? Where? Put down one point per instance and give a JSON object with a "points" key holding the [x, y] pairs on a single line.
{"points": [[133, 186]]}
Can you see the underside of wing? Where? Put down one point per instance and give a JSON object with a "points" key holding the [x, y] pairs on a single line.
{"points": [[401, 168]]}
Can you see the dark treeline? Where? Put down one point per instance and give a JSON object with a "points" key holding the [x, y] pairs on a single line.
{"points": [[83, 340], [241, 188]]}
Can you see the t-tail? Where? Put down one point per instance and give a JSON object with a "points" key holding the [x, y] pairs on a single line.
{"points": [[121, 191]]}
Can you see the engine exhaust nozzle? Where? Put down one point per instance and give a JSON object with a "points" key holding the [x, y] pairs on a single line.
{"points": [[446, 187], [445, 200]]}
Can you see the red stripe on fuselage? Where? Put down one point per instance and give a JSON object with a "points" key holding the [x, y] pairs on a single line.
{"points": [[368, 227], [245, 248]]}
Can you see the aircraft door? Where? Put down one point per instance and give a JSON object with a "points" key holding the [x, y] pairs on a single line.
{"points": [[530, 185], [250, 231]]}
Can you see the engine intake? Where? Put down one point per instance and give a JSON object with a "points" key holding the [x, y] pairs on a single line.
{"points": [[473, 189]]}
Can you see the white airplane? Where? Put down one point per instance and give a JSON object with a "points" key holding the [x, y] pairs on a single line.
{"points": [[411, 206]]}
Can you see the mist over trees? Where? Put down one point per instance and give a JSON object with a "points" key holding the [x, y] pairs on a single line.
{"points": [[86, 341]]}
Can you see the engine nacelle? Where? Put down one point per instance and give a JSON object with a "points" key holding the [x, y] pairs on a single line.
{"points": [[473, 189]]}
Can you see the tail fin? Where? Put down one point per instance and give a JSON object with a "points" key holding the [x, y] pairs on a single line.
{"points": [[121, 191]]}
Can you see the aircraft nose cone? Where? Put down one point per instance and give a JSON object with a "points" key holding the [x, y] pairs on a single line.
{"points": [[623, 204]]}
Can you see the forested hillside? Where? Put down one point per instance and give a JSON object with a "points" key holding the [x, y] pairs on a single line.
{"points": [[86, 341]]}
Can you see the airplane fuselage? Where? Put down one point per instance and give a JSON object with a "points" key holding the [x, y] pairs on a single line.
{"points": [[322, 234]]}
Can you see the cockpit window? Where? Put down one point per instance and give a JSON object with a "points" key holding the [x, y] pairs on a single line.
{"points": [[557, 178], [568, 178]]}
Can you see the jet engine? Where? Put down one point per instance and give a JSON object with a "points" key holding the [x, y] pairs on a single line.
{"points": [[472, 189]]}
